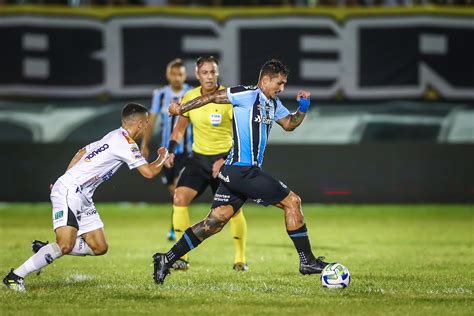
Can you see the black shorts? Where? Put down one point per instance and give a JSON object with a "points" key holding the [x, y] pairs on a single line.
{"points": [[197, 173], [168, 175], [237, 184]]}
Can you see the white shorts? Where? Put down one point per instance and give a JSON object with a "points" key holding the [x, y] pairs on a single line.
{"points": [[72, 208]]}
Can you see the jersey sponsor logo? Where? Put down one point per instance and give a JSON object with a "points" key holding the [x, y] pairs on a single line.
{"points": [[264, 120], [96, 152], [90, 212], [58, 215], [91, 181], [135, 149], [221, 198], [225, 179], [128, 138], [216, 119], [108, 175]]}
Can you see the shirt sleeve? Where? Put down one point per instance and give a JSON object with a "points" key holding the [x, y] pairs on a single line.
{"points": [[128, 152], [241, 96], [280, 111], [156, 101]]}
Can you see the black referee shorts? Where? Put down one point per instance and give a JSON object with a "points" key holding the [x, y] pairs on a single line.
{"points": [[197, 173], [237, 184], [168, 175]]}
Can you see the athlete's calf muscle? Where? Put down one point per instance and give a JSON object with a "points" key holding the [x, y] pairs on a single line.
{"points": [[213, 223]]}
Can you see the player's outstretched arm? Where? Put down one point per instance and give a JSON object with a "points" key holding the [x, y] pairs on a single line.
{"points": [[150, 170], [219, 97], [76, 158], [292, 121]]}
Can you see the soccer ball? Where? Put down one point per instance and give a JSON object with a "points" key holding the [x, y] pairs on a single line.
{"points": [[335, 276]]}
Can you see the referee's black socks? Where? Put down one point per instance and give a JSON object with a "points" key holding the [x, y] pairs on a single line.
{"points": [[183, 246], [302, 245]]}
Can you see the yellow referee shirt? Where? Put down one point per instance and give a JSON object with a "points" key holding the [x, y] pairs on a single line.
{"points": [[212, 125]]}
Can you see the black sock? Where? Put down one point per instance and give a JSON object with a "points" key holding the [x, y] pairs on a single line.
{"points": [[183, 246], [302, 245]]}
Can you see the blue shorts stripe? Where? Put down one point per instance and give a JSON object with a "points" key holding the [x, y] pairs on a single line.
{"points": [[190, 244]]}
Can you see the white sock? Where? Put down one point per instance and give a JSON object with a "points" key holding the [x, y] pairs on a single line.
{"points": [[41, 259], [81, 248]]}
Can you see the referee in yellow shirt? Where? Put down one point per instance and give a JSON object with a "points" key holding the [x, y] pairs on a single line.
{"points": [[212, 132]]}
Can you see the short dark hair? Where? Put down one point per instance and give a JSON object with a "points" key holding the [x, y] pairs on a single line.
{"points": [[206, 59], [177, 62], [273, 68], [133, 108]]}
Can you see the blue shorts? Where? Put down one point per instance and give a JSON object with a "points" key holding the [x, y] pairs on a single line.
{"points": [[237, 184]]}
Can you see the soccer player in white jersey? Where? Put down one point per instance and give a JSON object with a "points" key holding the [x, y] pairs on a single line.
{"points": [[77, 224], [255, 108], [173, 92]]}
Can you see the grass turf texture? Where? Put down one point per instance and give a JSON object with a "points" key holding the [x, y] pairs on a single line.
{"points": [[404, 260]]}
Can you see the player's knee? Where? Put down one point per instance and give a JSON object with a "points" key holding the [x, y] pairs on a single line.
{"points": [[180, 200], [65, 247], [101, 249], [295, 200]]}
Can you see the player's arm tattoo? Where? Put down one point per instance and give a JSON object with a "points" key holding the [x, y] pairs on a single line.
{"points": [[296, 118], [219, 97], [209, 226], [292, 121]]}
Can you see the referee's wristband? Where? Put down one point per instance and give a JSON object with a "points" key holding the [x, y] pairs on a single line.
{"points": [[172, 146], [304, 104]]}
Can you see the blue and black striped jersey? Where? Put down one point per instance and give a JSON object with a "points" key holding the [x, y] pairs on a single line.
{"points": [[254, 115], [160, 103]]}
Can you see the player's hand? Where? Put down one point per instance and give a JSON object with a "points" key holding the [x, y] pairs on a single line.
{"points": [[174, 109], [216, 167], [170, 161], [162, 155], [145, 152], [302, 94]]}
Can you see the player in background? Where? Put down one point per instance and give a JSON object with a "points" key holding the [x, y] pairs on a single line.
{"points": [[212, 132], [77, 224], [173, 92], [241, 178]]}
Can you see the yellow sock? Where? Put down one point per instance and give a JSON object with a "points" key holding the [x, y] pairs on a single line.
{"points": [[180, 222], [238, 226]]}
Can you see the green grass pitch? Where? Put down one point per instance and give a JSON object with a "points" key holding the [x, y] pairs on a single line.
{"points": [[404, 260]]}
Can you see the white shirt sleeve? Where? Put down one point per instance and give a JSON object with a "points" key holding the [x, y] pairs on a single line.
{"points": [[127, 151]]}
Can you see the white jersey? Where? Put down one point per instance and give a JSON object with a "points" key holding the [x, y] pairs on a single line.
{"points": [[102, 159]]}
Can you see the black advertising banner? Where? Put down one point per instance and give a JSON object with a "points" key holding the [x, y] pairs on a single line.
{"points": [[375, 56]]}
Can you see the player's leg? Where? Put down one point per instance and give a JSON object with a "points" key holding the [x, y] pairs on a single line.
{"points": [[238, 226], [192, 237], [224, 206], [297, 231], [191, 183], [65, 237], [94, 243], [171, 236], [182, 198]]}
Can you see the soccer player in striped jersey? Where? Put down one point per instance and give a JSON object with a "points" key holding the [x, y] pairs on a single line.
{"points": [[241, 178], [173, 92], [78, 227], [212, 131]]}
